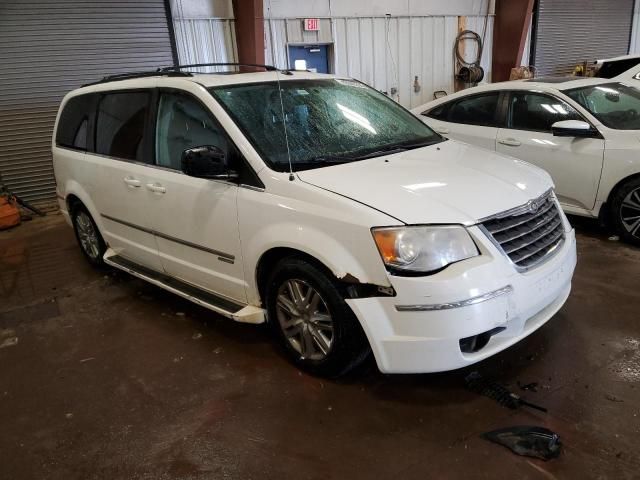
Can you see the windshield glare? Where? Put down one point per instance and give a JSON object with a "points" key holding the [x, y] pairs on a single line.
{"points": [[614, 104], [328, 121]]}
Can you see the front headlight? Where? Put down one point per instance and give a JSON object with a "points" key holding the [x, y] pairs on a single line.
{"points": [[423, 249]]}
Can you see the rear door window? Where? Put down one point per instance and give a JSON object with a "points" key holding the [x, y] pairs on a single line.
{"points": [[480, 110], [120, 129], [76, 121]]}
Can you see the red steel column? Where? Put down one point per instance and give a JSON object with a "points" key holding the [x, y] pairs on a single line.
{"points": [[249, 21], [509, 36]]}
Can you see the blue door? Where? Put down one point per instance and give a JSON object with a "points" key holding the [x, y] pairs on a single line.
{"points": [[309, 57]]}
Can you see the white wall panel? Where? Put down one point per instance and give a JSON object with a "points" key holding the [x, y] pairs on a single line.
{"points": [[527, 48], [387, 52], [634, 47], [384, 51], [373, 8], [205, 41], [477, 24], [202, 8]]}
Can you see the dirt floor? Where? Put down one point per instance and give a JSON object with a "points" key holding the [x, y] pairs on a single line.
{"points": [[104, 376]]}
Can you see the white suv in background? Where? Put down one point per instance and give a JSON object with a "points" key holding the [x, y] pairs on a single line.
{"points": [[318, 205], [584, 132]]}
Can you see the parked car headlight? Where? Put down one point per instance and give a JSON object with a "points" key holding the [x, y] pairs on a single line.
{"points": [[423, 249]]}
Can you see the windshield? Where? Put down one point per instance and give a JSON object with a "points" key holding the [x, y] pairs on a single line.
{"points": [[328, 122], [614, 104]]}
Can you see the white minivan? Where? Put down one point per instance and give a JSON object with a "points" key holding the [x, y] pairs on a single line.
{"points": [[318, 205]]}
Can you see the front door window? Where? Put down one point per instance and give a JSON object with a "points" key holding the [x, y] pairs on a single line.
{"points": [[537, 112], [183, 123]]}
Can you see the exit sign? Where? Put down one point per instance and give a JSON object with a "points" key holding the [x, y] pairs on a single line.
{"points": [[312, 24]]}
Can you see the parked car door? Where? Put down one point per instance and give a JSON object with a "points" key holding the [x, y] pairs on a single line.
{"points": [[575, 164], [120, 166], [196, 219], [474, 119]]}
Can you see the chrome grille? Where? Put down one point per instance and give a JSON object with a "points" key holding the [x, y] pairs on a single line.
{"points": [[529, 234]]}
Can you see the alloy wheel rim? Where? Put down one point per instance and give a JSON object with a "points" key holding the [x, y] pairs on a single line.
{"points": [[304, 319], [630, 212], [87, 235]]}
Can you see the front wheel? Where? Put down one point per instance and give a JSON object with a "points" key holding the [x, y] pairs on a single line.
{"points": [[311, 320], [626, 211], [88, 235]]}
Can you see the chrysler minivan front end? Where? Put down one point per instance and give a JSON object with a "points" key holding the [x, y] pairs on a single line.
{"points": [[481, 301]]}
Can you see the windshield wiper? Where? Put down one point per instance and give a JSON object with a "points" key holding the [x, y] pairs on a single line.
{"points": [[327, 160], [321, 161], [396, 148]]}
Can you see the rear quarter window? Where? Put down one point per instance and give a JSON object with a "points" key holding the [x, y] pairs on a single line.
{"points": [[75, 121], [478, 109], [439, 113]]}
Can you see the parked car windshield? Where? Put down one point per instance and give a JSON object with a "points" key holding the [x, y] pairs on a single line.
{"points": [[614, 104], [327, 122]]}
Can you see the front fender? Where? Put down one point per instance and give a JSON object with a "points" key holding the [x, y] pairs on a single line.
{"points": [[357, 261]]}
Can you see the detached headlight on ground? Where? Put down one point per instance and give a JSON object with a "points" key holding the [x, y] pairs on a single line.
{"points": [[423, 249]]}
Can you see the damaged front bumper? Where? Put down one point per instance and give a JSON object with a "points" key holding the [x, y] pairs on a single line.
{"points": [[469, 311]]}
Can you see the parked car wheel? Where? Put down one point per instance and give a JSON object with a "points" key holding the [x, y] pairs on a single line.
{"points": [[626, 211], [89, 238], [311, 320]]}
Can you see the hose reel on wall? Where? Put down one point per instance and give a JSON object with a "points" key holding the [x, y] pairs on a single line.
{"points": [[470, 73]]}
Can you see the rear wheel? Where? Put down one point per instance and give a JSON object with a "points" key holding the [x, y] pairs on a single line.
{"points": [[311, 320], [626, 211], [88, 235]]}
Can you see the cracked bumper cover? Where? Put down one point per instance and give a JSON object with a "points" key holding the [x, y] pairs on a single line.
{"points": [[419, 330]]}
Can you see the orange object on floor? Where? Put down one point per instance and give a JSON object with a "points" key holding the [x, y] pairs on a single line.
{"points": [[9, 212]]}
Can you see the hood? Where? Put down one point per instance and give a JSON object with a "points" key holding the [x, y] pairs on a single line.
{"points": [[449, 182]]}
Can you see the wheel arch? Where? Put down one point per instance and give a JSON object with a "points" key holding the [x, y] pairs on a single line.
{"points": [[606, 210], [76, 195], [349, 286], [270, 258]]}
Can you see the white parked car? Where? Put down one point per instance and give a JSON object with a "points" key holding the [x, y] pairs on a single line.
{"points": [[617, 66], [584, 132], [349, 227], [631, 76]]}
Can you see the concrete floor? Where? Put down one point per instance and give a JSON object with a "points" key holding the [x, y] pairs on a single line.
{"points": [[113, 378]]}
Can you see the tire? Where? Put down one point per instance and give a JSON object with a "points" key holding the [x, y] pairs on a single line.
{"points": [[324, 338], [625, 206], [89, 239]]}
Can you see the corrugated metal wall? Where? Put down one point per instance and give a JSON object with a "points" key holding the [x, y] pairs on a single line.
{"points": [[634, 46], [572, 31], [48, 48], [386, 52], [205, 40]]}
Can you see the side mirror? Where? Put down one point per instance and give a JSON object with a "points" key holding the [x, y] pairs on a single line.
{"points": [[574, 128], [207, 161]]}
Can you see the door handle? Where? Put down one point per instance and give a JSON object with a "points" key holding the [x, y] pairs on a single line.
{"points": [[156, 188], [442, 130], [132, 182], [512, 142]]}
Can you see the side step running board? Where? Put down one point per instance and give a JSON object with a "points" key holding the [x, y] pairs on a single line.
{"points": [[221, 305]]}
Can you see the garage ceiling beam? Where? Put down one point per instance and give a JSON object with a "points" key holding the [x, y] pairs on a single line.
{"points": [[249, 20], [511, 25]]}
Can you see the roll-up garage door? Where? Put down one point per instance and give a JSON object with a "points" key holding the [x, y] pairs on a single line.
{"points": [[49, 47], [568, 32]]}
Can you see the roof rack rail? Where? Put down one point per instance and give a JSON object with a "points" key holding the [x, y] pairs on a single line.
{"points": [[178, 68], [130, 75]]}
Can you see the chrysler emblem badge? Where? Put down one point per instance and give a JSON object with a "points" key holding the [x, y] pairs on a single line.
{"points": [[533, 206]]}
